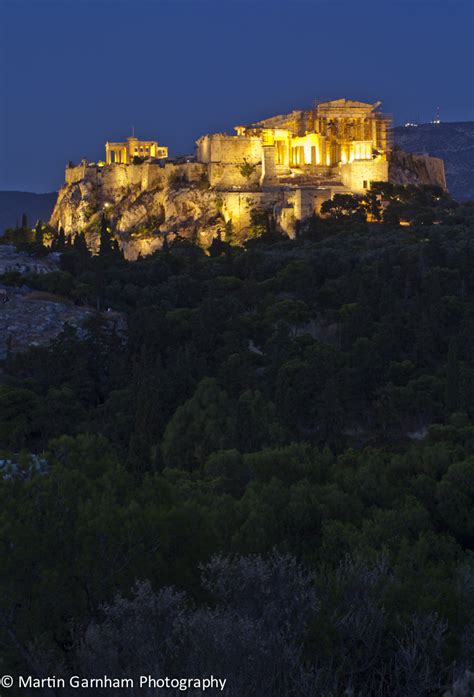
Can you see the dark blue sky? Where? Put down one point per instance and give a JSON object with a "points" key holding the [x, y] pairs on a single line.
{"points": [[76, 73]]}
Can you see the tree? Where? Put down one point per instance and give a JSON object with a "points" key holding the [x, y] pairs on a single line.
{"points": [[256, 424], [18, 410], [59, 242], [201, 426], [105, 244], [151, 409], [452, 379], [260, 610], [343, 206], [39, 240], [218, 246]]}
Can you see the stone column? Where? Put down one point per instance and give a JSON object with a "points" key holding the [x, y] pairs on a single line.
{"points": [[269, 175], [286, 157], [374, 133], [323, 150], [383, 135]]}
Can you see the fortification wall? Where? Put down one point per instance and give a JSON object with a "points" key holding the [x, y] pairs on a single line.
{"points": [[191, 172], [226, 176], [79, 172], [237, 206], [145, 176], [287, 205], [359, 174], [226, 149], [120, 176]]}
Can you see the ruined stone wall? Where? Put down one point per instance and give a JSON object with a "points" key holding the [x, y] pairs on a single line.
{"points": [[226, 149], [308, 200], [80, 172], [226, 156], [148, 175], [297, 122], [118, 176], [359, 172], [237, 205], [287, 205], [229, 176], [192, 172]]}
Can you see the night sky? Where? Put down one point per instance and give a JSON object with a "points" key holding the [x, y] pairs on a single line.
{"points": [[75, 74]]}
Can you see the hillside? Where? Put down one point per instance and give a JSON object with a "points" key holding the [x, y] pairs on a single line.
{"points": [[453, 142], [14, 203], [291, 422]]}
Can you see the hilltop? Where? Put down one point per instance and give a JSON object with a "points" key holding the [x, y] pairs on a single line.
{"points": [[453, 143], [289, 167]]}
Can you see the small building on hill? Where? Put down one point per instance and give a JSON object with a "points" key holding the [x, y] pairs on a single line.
{"points": [[124, 153]]}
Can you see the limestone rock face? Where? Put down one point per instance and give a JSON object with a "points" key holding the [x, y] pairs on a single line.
{"points": [[142, 206], [453, 143], [407, 168], [147, 203]]}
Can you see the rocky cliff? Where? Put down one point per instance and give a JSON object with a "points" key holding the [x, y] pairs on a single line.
{"points": [[148, 202], [143, 202], [408, 168], [453, 143]]}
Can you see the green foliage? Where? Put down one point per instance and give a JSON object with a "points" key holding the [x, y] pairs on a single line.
{"points": [[246, 169], [262, 226], [311, 395], [343, 206], [200, 426], [25, 239]]}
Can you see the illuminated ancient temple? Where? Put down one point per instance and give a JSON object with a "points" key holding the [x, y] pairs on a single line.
{"points": [[342, 139], [124, 153]]}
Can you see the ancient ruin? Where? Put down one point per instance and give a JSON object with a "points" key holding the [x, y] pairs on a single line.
{"points": [[126, 152], [287, 164], [341, 143]]}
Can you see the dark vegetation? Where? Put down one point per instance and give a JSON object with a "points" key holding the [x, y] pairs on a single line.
{"points": [[271, 476]]}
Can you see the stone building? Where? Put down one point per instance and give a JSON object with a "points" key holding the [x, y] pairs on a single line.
{"points": [[343, 141], [124, 153], [287, 164]]}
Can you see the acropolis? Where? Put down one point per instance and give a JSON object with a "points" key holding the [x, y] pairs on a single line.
{"points": [[287, 164]]}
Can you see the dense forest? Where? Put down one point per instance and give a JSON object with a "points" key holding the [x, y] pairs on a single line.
{"points": [[265, 473]]}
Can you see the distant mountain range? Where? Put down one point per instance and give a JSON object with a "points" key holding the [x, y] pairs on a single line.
{"points": [[453, 142], [14, 203]]}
